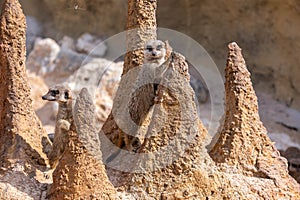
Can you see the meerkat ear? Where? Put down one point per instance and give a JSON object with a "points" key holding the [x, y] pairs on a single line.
{"points": [[168, 49]]}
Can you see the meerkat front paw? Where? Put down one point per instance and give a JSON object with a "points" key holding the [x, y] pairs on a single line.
{"points": [[48, 173], [159, 96], [158, 100], [63, 124]]}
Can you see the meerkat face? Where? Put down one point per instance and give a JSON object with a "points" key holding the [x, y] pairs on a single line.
{"points": [[58, 93], [155, 51]]}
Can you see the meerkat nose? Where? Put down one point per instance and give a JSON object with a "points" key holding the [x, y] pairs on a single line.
{"points": [[154, 53], [44, 98]]}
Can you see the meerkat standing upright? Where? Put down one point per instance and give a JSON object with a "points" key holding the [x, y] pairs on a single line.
{"points": [[148, 79], [63, 96], [144, 92]]}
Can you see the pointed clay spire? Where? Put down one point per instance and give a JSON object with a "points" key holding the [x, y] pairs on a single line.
{"points": [[141, 27], [243, 144], [21, 133]]}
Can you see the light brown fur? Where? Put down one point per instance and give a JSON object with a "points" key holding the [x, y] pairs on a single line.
{"points": [[63, 96], [144, 92], [143, 95]]}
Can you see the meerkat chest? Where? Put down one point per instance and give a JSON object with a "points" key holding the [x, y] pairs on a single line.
{"points": [[152, 70], [65, 113]]}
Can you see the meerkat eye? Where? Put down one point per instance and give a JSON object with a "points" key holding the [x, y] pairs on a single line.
{"points": [[54, 92], [66, 95], [149, 48], [159, 47]]}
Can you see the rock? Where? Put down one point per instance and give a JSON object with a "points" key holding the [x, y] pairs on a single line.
{"points": [[66, 63], [280, 113], [42, 58], [53, 63], [81, 164], [242, 121], [101, 77], [280, 121], [90, 75], [67, 43], [84, 16], [24, 142], [86, 124], [283, 140], [91, 45], [34, 30]]}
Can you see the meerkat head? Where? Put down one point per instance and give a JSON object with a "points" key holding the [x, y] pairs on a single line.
{"points": [[155, 51], [58, 93]]}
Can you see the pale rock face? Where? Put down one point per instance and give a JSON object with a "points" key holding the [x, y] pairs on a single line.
{"points": [[91, 45], [41, 59], [52, 62], [67, 43], [101, 77]]}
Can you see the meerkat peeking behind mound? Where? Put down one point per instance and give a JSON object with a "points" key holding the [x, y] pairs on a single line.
{"points": [[58, 93], [63, 96]]}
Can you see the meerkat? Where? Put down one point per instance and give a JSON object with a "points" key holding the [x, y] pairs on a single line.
{"points": [[63, 96], [144, 91], [148, 79], [155, 52]]}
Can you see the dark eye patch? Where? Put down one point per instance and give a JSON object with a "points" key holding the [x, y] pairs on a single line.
{"points": [[159, 47], [149, 48], [66, 95], [54, 92]]}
